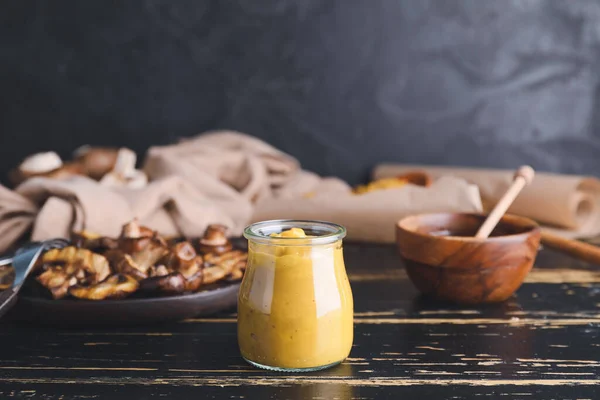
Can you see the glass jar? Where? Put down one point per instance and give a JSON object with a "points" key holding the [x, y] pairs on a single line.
{"points": [[295, 307]]}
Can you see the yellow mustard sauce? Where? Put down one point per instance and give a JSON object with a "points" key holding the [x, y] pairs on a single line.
{"points": [[295, 308]]}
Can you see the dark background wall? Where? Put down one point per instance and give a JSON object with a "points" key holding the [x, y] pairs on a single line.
{"points": [[340, 84]]}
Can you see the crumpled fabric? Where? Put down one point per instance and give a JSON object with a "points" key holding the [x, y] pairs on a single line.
{"points": [[219, 177]]}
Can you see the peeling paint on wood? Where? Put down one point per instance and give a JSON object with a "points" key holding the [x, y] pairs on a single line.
{"points": [[282, 381], [537, 275], [405, 346]]}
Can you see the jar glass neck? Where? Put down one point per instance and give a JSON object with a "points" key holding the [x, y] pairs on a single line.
{"points": [[318, 232]]}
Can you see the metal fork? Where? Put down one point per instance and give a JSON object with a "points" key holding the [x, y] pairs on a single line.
{"points": [[23, 261]]}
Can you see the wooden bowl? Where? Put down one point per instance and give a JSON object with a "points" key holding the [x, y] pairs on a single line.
{"points": [[443, 259]]}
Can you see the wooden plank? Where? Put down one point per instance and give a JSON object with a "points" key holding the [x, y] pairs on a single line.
{"points": [[543, 342]]}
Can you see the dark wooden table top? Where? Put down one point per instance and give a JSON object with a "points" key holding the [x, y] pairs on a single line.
{"points": [[541, 344]]}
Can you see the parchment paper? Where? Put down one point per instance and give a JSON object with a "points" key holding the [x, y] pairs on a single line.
{"points": [[568, 205]]}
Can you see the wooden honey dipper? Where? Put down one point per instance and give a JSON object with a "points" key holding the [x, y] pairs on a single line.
{"points": [[523, 177]]}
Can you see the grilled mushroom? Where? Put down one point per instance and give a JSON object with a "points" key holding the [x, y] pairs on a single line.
{"points": [[154, 250], [133, 245], [214, 273], [93, 242], [157, 270], [57, 281], [173, 283], [195, 281], [116, 286], [214, 240], [238, 269], [59, 278], [218, 267], [139, 259], [235, 275], [125, 264], [183, 258], [144, 245], [233, 256], [95, 265], [133, 230]]}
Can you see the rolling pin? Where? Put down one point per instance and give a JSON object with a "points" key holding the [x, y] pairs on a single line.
{"points": [[575, 248], [523, 177]]}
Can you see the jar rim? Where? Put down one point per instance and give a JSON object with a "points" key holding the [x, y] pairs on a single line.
{"points": [[328, 232]]}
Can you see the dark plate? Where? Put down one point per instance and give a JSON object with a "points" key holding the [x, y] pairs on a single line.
{"points": [[127, 311]]}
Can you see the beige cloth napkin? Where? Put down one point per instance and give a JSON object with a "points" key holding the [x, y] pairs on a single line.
{"points": [[53, 208], [271, 185], [566, 204], [218, 177]]}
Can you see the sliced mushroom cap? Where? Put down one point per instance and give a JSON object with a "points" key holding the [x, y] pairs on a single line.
{"points": [[173, 283], [194, 282], [133, 230], [154, 250], [218, 267], [133, 245], [234, 256], [57, 281], [93, 242], [124, 264], [192, 270], [184, 253], [116, 286], [214, 249], [158, 270], [214, 240], [183, 258], [235, 275], [238, 270], [102, 244], [95, 265], [214, 273], [81, 272], [59, 278], [135, 238]]}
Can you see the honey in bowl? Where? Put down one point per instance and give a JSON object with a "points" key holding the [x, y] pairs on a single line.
{"points": [[295, 308], [443, 258], [469, 232]]}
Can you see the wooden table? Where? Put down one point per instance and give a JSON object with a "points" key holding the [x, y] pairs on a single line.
{"points": [[543, 343]]}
